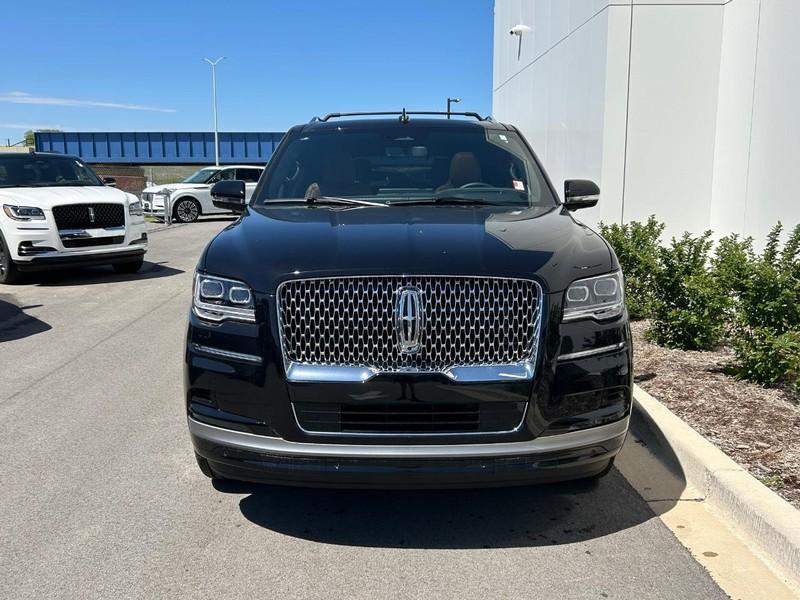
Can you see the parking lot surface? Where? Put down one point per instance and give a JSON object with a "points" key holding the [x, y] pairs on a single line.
{"points": [[101, 497]]}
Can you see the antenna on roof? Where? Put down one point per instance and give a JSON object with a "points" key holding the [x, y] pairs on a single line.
{"points": [[404, 118]]}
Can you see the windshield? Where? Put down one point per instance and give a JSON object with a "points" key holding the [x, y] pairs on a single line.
{"points": [[35, 170], [393, 164], [201, 176]]}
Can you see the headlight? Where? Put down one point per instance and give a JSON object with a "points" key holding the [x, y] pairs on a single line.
{"points": [[217, 299], [135, 209], [23, 213], [595, 298]]}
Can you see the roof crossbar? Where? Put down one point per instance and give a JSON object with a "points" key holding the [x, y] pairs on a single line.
{"points": [[402, 114]]}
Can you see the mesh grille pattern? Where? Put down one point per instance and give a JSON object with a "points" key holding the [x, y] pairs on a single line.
{"points": [[350, 322], [79, 216]]}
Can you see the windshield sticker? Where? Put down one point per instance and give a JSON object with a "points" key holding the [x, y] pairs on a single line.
{"points": [[518, 185]]}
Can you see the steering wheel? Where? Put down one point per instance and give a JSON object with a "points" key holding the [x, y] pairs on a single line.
{"points": [[475, 184]]}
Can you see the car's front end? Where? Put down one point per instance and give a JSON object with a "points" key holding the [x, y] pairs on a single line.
{"points": [[74, 234], [46, 226], [154, 199], [407, 346], [286, 398]]}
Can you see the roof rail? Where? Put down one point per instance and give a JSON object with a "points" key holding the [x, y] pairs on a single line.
{"points": [[402, 114]]}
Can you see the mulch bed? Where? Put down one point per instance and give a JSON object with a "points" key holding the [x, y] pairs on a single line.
{"points": [[757, 427]]}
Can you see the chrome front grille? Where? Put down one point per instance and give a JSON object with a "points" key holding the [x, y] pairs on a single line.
{"points": [[351, 322]]}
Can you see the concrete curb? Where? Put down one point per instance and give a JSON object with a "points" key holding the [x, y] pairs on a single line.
{"points": [[760, 515]]}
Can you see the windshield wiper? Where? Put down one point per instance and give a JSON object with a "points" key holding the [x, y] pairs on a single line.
{"points": [[314, 196], [453, 200]]}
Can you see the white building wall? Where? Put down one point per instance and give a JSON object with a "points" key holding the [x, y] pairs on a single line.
{"points": [[682, 109], [672, 112], [775, 128], [564, 85]]}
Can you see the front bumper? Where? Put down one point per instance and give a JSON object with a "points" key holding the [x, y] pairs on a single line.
{"points": [[257, 458], [70, 260], [153, 206], [37, 246], [153, 211], [241, 408]]}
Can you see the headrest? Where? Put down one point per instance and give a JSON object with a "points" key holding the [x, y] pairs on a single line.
{"points": [[464, 168]]}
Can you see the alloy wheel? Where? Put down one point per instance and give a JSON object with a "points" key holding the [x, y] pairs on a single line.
{"points": [[187, 211]]}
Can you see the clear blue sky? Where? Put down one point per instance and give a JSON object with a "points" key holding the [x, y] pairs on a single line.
{"points": [[288, 60]]}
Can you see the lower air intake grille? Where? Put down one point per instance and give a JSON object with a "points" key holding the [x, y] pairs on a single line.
{"points": [[98, 241], [409, 417]]}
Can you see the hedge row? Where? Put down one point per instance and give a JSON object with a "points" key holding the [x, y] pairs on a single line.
{"points": [[697, 298]]}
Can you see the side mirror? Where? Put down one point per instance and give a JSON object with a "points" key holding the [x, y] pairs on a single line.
{"points": [[580, 193], [229, 195], [109, 181]]}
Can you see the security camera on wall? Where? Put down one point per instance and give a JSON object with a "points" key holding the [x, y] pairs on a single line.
{"points": [[519, 30]]}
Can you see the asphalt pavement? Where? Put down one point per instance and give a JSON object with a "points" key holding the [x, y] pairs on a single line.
{"points": [[100, 496]]}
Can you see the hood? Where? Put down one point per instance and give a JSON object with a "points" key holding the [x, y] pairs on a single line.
{"points": [[176, 186], [48, 197], [271, 244]]}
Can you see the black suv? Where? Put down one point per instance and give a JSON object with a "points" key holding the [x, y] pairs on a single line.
{"points": [[405, 302]]}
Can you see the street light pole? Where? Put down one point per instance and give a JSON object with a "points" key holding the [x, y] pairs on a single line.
{"points": [[214, 64], [451, 101]]}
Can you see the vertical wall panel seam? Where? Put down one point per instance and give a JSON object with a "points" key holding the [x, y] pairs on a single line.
{"points": [[716, 121], [627, 120], [752, 116]]}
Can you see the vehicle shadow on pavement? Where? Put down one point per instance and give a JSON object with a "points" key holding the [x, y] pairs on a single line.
{"points": [[15, 324], [543, 515], [94, 275]]}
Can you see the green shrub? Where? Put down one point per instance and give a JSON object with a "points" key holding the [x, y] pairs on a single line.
{"points": [[688, 305], [694, 299], [733, 263], [771, 295], [766, 325], [732, 268], [767, 358], [636, 246]]}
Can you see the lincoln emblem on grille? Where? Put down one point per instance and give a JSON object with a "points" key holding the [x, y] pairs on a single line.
{"points": [[409, 319], [91, 214]]}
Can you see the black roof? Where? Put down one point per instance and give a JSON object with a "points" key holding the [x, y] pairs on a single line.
{"points": [[41, 154], [457, 122]]}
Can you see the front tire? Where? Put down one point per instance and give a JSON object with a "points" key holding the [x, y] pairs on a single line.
{"points": [[129, 267], [9, 273], [187, 210]]}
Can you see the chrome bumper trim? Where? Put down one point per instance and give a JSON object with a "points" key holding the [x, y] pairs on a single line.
{"points": [[74, 234], [116, 249], [592, 352], [251, 358], [302, 373], [271, 445]]}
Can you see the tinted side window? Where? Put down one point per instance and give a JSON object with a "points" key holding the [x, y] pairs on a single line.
{"points": [[248, 175]]}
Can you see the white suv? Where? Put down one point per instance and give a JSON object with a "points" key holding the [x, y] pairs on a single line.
{"points": [[56, 212], [192, 197]]}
